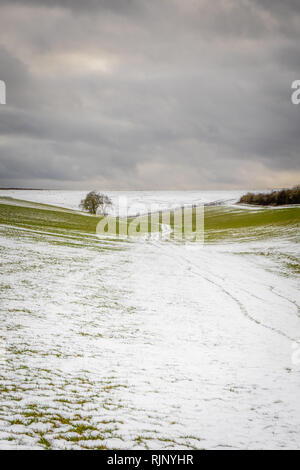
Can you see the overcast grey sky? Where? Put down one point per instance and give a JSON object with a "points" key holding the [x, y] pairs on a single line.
{"points": [[139, 94]]}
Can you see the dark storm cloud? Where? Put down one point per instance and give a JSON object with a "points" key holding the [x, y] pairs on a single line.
{"points": [[15, 75], [277, 7], [163, 94]]}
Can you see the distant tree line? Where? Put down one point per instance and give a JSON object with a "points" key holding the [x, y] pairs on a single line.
{"points": [[275, 198]]}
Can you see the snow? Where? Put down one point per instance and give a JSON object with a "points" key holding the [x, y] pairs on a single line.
{"points": [[147, 344], [128, 202]]}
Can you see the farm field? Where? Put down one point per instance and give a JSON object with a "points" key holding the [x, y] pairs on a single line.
{"points": [[111, 343]]}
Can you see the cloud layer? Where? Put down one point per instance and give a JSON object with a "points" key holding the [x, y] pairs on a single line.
{"points": [[133, 94]]}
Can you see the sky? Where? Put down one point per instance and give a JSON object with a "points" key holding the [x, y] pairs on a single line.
{"points": [[149, 95]]}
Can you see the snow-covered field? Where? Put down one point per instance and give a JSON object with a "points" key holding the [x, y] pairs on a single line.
{"points": [[133, 202], [147, 345]]}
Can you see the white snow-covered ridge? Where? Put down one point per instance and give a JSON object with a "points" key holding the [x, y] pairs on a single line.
{"points": [[117, 345], [129, 203]]}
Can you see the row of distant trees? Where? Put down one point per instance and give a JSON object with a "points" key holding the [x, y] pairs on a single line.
{"points": [[274, 198], [99, 203]]}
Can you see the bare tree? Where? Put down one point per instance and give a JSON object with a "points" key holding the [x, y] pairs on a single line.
{"points": [[96, 202]]}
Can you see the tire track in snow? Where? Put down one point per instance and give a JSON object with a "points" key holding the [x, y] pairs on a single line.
{"points": [[241, 306], [293, 302]]}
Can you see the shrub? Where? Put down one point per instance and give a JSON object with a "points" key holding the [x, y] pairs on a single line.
{"points": [[95, 202], [274, 198]]}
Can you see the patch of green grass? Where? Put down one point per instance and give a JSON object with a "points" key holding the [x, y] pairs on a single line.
{"points": [[63, 400], [47, 220], [231, 223], [81, 438], [221, 223], [16, 421], [44, 443], [81, 428], [294, 267], [33, 414], [62, 420]]}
